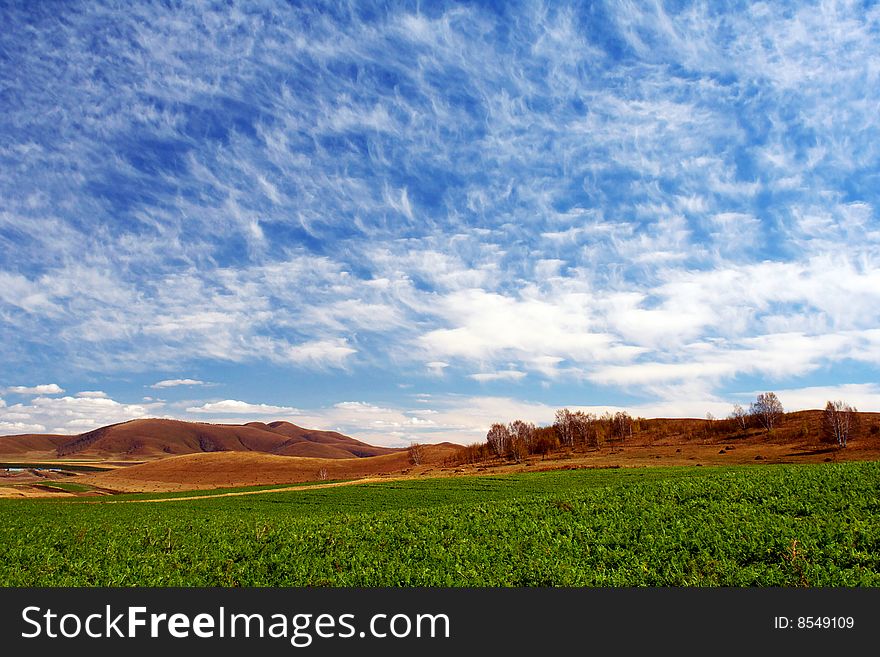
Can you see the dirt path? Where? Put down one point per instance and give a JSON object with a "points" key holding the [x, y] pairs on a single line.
{"points": [[286, 489]]}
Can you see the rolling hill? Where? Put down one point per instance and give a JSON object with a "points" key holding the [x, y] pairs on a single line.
{"points": [[31, 445], [156, 438], [308, 442], [230, 469]]}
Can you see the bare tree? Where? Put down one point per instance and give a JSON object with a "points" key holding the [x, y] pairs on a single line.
{"points": [[522, 440], [740, 416], [416, 453], [838, 422], [564, 426], [522, 433], [322, 474], [599, 431], [517, 449], [583, 429], [497, 438], [546, 440], [767, 409], [621, 426]]}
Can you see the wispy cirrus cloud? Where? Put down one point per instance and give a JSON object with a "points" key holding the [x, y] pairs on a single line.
{"points": [[612, 197]]}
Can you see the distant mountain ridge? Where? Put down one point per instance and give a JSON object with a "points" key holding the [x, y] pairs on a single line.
{"points": [[150, 438]]}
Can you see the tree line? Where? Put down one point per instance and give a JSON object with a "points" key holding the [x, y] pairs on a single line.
{"points": [[570, 429], [582, 430]]}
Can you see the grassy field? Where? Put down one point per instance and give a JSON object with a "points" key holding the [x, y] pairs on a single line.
{"points": [[68, 486], [806, 525]]}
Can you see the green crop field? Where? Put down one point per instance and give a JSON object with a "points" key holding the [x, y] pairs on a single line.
{"points": [[68, 486], [806, 525]]}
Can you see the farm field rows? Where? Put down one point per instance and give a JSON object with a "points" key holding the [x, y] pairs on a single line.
{"points": [[779, 525]]}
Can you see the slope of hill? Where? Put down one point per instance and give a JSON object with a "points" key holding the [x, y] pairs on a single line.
{"points": [[309, 439], [155, 438], [232, 469], [796, 437], [29, 445]]}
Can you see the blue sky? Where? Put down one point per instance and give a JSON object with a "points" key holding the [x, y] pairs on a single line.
{"points": [[406, 221]]}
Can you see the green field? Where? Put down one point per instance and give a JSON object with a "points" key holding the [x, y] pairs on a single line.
{"points": [[66, 486], [806, 525]]}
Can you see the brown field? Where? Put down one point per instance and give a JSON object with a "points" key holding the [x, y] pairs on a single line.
{"points": [[657, 442], [234, 469]]}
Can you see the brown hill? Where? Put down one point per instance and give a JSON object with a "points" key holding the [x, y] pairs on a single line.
{"points": [[314, 450], [155, 438], [31, 445], [297, 436], [797, 437], [796, 428], [231, 469]]}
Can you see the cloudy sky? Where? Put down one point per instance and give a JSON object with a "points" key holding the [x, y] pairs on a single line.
{"points": [[408, 221]]}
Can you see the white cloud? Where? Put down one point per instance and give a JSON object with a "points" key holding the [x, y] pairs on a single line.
{"points": [[93, 394], [773, 356], [233, 406], [361, 407], [71, 415], [734, 232], [488, 326], [398, 200], [863, 396], [11, 428], [320, 353], [669, 324], [170, 383], [44, 389], [501, 375], [28, 295], [453, 262], [646, 374], [436, 367]]}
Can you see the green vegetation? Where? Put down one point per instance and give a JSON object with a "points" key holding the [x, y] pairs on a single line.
{"points": [[67, 486], [814, 525]]}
